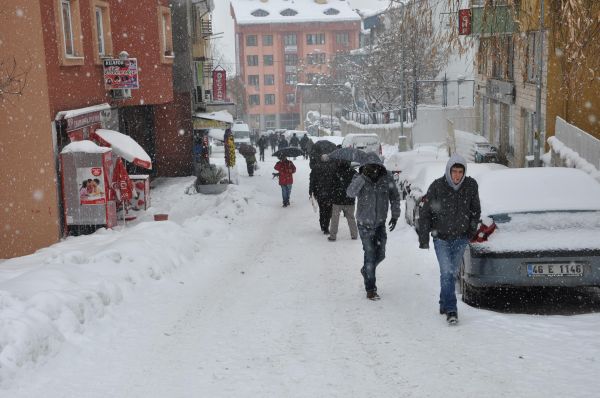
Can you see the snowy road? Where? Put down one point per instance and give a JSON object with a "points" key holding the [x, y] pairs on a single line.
{"points": [[269, 308]]}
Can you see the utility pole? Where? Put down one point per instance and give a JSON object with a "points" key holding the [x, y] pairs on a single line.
{"points": [[538, 91]]}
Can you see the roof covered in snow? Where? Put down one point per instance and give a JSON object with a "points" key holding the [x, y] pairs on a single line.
{"points": [[249, 12]]}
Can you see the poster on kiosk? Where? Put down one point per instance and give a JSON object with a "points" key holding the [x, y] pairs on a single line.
{"points": [[89, 203]]}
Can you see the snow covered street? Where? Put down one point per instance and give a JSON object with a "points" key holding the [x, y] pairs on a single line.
{"points": [[236, 296]]}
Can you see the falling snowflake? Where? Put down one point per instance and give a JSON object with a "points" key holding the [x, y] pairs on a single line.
{"points": [[588, 105], [181, 131], [593, 119], [38, 195], [558, 52], [19, 12], [142, 101], [124, 35]]}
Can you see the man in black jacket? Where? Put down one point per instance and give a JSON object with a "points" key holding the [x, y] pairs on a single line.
{"points": [[450, 212], [320, 187], [344, 173]]}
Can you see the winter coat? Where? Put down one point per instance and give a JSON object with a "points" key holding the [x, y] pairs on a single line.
{"points": [[282, 143], [373, 198], [450, 211], [285, 168], [342, 179], [321, 181], [294, 141], [304, 141], [262, 142]]}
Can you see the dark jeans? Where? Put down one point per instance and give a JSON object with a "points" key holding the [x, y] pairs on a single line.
{"points": [[250, 168], [262, 154], [449, 254], [373, 241], [325, 207], [286, 191]]}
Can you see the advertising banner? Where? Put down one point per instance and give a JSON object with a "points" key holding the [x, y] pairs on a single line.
{"points": [[219, 85], [120, 74], [464, 22], [91, 186]]}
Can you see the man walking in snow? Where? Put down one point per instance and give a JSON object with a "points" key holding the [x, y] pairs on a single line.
{"points": [[344, 173], [374, 188], [451, 214]]}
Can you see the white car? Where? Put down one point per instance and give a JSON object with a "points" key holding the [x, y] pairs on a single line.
{"points": [[365, 142], [241, 133]]}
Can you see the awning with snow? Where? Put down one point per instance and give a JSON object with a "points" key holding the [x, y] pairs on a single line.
{"points": [[217, 134], [123, 146], [219, 120]]}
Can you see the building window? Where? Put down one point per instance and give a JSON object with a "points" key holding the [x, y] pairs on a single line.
{"points": [[289, 120], [533, 55], [269, 99], [69, 35], [259, 13], [289, 39], [270, 121], [291, 59], [315, 38], [291, 79], [288, 12], [290, 98], [253, 80], [252, 60], [166, 35], [315, 59], [267, 40], [331, 11], [502, 60], [251, 41], [267, 60], [342, 38], [254, 99], [102, 35], [269, 80], [482, 56]]}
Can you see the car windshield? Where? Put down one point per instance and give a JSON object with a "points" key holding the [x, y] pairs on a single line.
{"points": [[241, 134]]}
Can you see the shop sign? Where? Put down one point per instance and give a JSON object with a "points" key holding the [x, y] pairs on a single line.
{"points": [[121, 74], [77, 122], [464, 22], [219, 85], [200, 124]]}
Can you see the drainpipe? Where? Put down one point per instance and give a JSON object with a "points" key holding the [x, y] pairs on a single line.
{"points": [[538, 91]]}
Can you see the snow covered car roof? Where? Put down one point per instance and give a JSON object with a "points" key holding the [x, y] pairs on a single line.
{"points": [[537, 190]]}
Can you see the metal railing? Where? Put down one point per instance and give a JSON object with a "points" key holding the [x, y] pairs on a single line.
{"points": [[586, 145]]}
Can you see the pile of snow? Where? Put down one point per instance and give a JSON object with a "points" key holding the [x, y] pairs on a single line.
{"points": [[572, 158], [401, 161]]}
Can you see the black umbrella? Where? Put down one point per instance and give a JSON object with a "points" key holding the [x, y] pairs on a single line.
{"points": [[289, 152], [246, 150], [321, 147], [349, 154]]}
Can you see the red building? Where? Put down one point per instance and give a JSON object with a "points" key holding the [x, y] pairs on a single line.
{"points": [[59, 45], [281, 43]]}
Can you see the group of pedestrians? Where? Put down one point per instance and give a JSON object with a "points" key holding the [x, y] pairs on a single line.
{"points": [[450, 213]]}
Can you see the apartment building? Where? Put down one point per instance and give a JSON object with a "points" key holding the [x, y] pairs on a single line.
{"points": [[281, 43]]}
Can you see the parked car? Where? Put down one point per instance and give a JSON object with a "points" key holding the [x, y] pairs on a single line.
{"points": [[241, 133], [547, 231], [430, 171], [365, 142], [485, 153]]}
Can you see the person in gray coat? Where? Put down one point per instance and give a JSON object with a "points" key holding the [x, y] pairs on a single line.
{"points": [[375, 191]]}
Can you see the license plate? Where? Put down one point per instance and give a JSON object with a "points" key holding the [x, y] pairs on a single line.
{"points": [[556, 269]]}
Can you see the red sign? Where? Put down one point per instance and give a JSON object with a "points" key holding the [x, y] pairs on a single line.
{"points": [[464, 22], [219, 85]]}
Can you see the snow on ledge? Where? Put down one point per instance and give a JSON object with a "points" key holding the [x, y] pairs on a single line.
{"points": [[572, 158]]}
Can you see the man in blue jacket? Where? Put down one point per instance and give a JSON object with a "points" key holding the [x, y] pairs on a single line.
{"points": [[450, 212], [375, 190]]}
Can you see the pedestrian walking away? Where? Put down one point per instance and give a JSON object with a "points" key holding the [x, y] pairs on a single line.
{"points": [[304, 145], [344, 173], [294, 141], [375, 193], [321, 188], [262, 145], [450, 213], [273, 142], [285, 169]]}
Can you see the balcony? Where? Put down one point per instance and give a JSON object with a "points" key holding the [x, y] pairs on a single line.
{"points": [[290, 49], [492, 21]]}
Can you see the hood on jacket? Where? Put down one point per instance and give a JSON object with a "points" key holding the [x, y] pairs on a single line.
{"points": [[373, 159], [454, 160]]}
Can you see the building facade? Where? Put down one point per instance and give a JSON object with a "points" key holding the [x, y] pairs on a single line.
{"points": [[60, 46], [280, 44]]}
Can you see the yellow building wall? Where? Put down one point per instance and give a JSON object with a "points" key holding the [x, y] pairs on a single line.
{"points": [[28, 195]]}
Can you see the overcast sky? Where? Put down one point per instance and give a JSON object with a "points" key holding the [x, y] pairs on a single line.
{"points": [[222, 22]]}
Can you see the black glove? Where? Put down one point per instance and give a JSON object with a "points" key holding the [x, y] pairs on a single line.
{"points": [[392, 224], [423, 245]]}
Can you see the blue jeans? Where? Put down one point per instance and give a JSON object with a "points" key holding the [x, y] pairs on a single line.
{"points": [[373, 241], [286, 190], [449, 254]]}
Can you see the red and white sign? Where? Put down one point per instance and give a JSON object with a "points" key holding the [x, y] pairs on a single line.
{"points": [[120, 74], [219, 85], [464, 22]]}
